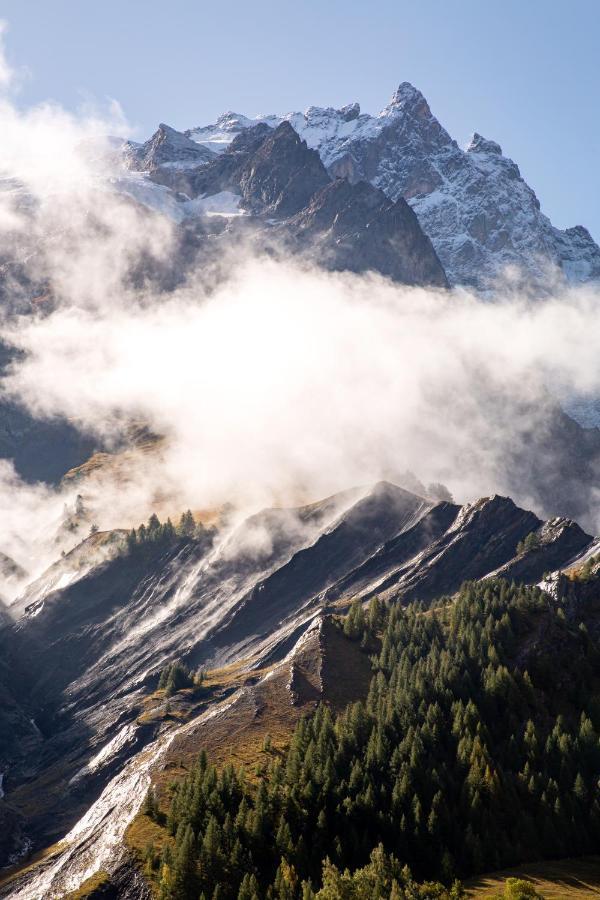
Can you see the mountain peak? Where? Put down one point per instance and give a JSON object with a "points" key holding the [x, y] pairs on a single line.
{"points": [[407, 97], [285, 131], [479, 144], [282, 174], [472, 203], [167, 146], [232, 118], [350, 112]]}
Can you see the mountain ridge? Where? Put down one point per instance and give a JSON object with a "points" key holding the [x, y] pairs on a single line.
{"points": [[271, 184], [250, 698], [473, 204], [85, 655]]}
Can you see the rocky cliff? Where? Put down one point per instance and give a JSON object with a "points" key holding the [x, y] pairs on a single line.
{"points": [[473, 203]]}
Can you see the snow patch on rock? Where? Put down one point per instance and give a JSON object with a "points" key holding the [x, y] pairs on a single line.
{"points": [[95, 842], [125, 736]]}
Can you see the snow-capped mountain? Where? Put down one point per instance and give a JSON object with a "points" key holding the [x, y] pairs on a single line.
{"points": [[473, 204], [167, 147], [267, 182]]}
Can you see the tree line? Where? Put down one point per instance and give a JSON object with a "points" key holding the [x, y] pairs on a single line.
{"points": [[460, 760], [155, 532]]}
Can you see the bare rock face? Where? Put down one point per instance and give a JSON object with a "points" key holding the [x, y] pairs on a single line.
{"points": [[284, 187], [482, 539], [282, 175], [273, 171], [356, 228], [479, 213], [557, 540], [221, 173], [167, 147]]}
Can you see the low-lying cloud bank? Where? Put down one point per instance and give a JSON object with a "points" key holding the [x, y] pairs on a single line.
{"points": [[285, 383]]}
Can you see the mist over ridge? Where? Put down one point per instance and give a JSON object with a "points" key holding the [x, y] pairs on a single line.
{"points": [[268, 378]]}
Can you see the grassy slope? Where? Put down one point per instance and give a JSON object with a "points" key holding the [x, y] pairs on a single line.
{"points": [[565, 879], [238, 734]]}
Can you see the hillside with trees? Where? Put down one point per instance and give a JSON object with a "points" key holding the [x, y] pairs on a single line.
{"points": [[469, 754]]}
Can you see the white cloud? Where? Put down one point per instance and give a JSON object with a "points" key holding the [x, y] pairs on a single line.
{"points": [[284, 380]]}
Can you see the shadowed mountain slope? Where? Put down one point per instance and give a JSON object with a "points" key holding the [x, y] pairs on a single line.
{"points": [[83, 658]]}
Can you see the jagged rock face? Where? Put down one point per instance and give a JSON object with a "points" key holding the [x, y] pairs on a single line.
{"points": [[222, 173], [167, 147], [482, 535], [343, 226], [282, 175], [355, 228], [559, 539], [473, 204], [448, 545], [273, 171]]}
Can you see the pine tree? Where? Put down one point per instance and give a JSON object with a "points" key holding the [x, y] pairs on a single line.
{"points": [[286, 881], [184, 880], [249, 888], [131, 540], [150, 805], [153, 526]]}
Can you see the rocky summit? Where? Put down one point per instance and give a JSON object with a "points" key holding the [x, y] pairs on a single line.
{"points": [[269, 183], [473, 203]]}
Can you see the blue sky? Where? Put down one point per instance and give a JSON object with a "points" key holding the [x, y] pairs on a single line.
{"points": [[525, 73]]}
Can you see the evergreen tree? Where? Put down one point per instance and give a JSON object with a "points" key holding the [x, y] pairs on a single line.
{"points": [[175, 677], [150, 805], [184, 879], [187, 525], [458, 760], [249, 888]]}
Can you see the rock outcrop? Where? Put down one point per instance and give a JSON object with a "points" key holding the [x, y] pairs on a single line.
{"points": [[169, 148]]}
